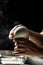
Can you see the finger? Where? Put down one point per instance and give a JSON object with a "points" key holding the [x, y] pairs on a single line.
{"points": [[18, 41], [19, 49], [18, 54], [21, 45], [21, 42], [24, 49], [11, 35], [28, 50], [15, 44], [21, 39], [22, 53]]}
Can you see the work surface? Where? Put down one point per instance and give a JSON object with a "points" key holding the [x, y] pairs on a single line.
{"points": [[7, 58], [14, 64], [6, 52]]}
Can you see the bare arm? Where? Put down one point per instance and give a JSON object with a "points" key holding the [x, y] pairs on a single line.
{"points": [[33, 45], [36, 38]]}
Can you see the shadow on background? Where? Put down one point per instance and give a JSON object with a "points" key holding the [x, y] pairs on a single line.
{"points": [[15, 12]]}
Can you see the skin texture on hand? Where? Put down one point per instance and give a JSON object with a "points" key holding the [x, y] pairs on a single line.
{"points": [[27, 47]]}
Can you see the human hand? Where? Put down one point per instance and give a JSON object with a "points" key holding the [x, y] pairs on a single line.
{"points": [[19, 33], [23, 46]]}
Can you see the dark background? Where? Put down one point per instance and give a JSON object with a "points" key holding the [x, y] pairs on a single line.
{"points": [[13, 12]]}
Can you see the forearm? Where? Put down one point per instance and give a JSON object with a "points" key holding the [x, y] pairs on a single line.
{"points": [[36, 37], [34, 49]]}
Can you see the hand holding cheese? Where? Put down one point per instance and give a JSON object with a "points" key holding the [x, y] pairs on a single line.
{"points": [[27, 42]]}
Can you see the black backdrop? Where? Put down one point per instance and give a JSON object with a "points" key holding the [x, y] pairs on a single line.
{"points": [[13, 12]]}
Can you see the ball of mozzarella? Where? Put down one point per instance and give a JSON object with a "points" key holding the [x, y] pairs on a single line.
{"points": [[19, 31]]}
